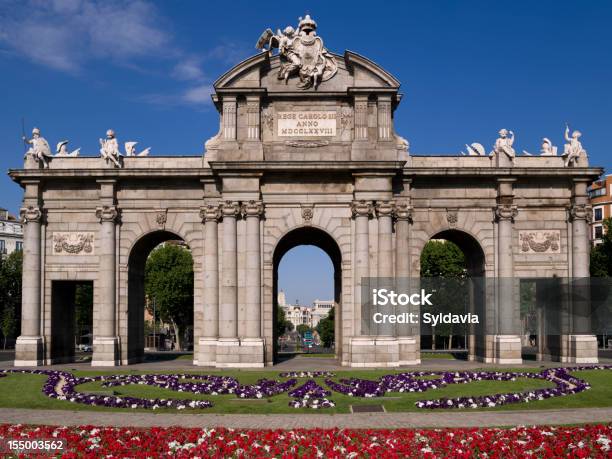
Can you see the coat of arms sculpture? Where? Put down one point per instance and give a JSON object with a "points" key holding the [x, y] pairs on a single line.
{"points": [[302, 53]]}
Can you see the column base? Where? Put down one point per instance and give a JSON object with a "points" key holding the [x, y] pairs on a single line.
{"points": [[29, 351], [508, 350], [105, 352], [408, 352], [207, 352], [239, 353], [374, 352], [582, 349]]}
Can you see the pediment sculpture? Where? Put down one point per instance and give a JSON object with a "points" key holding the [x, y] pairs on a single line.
{"points": [[302, 53]]}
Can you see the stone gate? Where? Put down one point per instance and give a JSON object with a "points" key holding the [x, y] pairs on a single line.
{"points": [[306, 153]]}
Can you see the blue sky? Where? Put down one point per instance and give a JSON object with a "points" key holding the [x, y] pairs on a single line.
{"points": [[77, 68]]}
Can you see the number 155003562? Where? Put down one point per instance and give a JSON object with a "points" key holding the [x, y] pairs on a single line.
{"points": [[31, 445]]}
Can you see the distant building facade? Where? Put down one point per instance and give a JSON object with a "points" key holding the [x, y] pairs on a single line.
{"points": [[320, 311], [11, 233], [305, 315], [600, 195]]}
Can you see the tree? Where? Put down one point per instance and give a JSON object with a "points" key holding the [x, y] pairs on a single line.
{"points": [[10, 294], [601, 255], [444, 261], [325, 328], [169, 282], [8, 324], [282, 325], [83, 308]]}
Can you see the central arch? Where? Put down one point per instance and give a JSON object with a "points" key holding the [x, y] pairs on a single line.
{"points": [[475, 264], [309, 235], [136, 300]]}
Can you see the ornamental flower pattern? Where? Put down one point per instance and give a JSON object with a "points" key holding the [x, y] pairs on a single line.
{"points": [[593, 441], [61, 385]]}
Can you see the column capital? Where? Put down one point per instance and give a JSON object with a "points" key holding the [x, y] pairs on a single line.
{"points": [[580, 212], [230, 208], [107, 213], [361, 208], [210, 213], [403, 212], [252, 208], [505, 212], [30, 214], [385, 208]]}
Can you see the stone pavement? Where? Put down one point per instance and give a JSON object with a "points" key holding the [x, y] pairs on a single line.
{"points": [[314, 420]]}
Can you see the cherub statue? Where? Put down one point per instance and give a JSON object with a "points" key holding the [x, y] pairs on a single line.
{"points": [[572, 150], [130, 150], [110, 148], [62, 149], [504, 144], [548, 149], [39, 149]]}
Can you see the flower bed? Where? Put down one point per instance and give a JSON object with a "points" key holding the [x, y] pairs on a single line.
{"points": [[62, 385], [91, 442]]}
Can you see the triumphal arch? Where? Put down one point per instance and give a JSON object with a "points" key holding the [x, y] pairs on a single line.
{"points": [[306, 153]]}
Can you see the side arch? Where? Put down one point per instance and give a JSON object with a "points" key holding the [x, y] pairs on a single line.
{"points": [[133, 330]]}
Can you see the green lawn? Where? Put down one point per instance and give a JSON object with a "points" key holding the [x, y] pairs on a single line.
{"points": [[24, 391]]}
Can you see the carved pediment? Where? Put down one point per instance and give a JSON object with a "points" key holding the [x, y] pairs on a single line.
{"points": [[261, 72]]}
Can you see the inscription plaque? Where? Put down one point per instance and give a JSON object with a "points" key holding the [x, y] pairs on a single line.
{"points": [[306, 124]]}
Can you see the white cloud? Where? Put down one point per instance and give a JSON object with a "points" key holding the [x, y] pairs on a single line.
{"points": [[64, 34], [199, 94], [67, 35], [188, 69]]}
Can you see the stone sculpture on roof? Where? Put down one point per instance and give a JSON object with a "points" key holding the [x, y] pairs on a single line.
{"points": [[302, 53]]}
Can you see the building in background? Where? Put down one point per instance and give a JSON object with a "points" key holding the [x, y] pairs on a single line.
{"points": [[600, 195], [305, 315], [11, 233], [320, 311]]}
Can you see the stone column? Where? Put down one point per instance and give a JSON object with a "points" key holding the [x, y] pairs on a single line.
{"points": [[405, 336], [208, 342], [252, 345], [361, 213], [507, 341], [228, 310], [253, 211], [253, 118], [29, 346], [384, 212], [582, 341], [105, 343], [363, 343]]}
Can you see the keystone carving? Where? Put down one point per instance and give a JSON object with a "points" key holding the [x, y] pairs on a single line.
{"points": [[307, 214], [452, 217]]}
